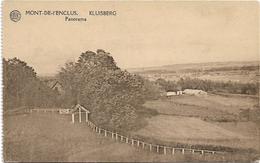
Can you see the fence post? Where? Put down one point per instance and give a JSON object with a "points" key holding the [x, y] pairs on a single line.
{"points": [[213, 152], [183, 151], [99, 130], [105, 132], [86, 116], [173, 151], [202, 152], [143, 145], [157, 149], [112, 135], [126, 140], [164, 150], [150, 147], [116, 136], [193, 151], [122, 138], [132, 142], [137, 143], [72, 117], [79, 115]]}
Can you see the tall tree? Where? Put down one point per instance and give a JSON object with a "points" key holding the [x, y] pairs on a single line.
{"points": [[110, 93], [23, 88]]}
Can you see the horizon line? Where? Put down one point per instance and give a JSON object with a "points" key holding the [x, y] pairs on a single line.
{"points": [[145, 67]]}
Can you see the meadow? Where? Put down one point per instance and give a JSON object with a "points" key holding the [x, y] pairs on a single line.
{"points": [[211, 120], [49, 136]]}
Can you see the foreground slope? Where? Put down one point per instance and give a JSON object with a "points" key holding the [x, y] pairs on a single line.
{"points": [[52, 137]]}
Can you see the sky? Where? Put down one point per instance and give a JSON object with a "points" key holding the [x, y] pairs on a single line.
{"points": [[143, 34]]}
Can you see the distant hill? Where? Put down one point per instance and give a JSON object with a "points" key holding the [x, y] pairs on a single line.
{"points": [[193, 67]]}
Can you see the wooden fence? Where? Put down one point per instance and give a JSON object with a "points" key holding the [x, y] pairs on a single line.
{"points": [[160, 149], [42, 110]]}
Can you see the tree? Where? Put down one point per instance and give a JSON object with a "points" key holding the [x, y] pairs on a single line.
{"points": [[16, 74], [23, 88], [110, 93]]}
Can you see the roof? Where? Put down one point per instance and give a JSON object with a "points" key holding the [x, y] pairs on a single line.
{"points": [[57, 82], [52, 83], [77, 107]]}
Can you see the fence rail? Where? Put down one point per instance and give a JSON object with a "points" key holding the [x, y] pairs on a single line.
{"points": [[161, 149], [42, 110]]}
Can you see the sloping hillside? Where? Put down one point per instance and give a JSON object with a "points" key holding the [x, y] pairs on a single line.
{"points": [[52, 137]]}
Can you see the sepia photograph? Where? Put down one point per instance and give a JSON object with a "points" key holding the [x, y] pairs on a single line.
{"points": [[130, 81]]}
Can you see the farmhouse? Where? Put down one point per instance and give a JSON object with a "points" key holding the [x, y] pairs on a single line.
{"points": [[173, 93], [195, 92], [55, 85], [168, 94]]}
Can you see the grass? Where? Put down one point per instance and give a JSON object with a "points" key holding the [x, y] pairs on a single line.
{"points": [[210, 122], [194, 131], [176, 108], [52, 137], [177, 121], [210, 108], [197, 134]]}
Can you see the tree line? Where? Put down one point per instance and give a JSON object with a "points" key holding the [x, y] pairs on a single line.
{"points": [[209, 86], [22, 87], [114, 96]]}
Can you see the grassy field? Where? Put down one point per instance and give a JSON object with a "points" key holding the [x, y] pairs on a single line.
{"points": [[194, 131], [52, 137], [210, 105], [181, 119], [202, 120]]}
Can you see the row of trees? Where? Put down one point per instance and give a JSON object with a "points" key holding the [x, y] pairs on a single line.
{"points": [[209, 85], [113, 96], [23, 88]]}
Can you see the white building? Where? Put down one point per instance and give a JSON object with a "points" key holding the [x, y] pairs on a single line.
{"points": [[194, 92], [168, 94]]}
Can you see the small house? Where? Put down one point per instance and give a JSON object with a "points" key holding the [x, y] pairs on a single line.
{"points": [[55, 85], [168, 94], [78, 109]]}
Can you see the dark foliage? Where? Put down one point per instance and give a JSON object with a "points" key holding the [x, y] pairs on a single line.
{"points": [[111, 94], [209, 85], [23, 88]]}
